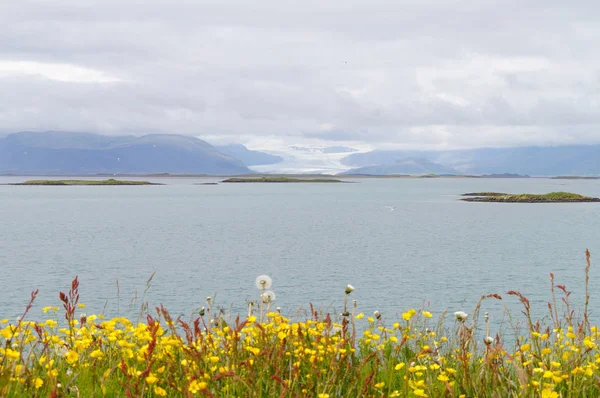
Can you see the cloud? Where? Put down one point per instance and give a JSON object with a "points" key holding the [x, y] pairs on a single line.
{"points": [[433, 73]]}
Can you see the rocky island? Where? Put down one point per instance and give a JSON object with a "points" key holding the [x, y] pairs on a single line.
{"points": [[552, 197], [278, 180], [84, 182]]}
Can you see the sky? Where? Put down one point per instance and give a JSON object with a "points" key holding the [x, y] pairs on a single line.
{"points": [[418, 74]]}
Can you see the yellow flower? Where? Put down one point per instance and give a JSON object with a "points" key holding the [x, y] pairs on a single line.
{"points": [[525, 347], [151, 379], [81, 305], [323, 395], [419, 392], [160, 391], [547, 393], [427, 314], [399, 366], [72, 357], [380, 385], [359, 316], [38, 382], [408, 314], [214, 359], [443, 378], [196, 386]]}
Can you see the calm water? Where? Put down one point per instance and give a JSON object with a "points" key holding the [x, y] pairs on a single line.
{"points": [[311, 239]]}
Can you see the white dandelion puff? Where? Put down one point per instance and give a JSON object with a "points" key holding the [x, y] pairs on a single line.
{"points": [[349, 289], [268, 296], [461, 316], [263, 282], [488, 340]]}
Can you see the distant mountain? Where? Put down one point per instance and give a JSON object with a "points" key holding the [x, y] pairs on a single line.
{"points": [[409, 166], [535, 161], [328, 149], [84, 153], [248, 157]]}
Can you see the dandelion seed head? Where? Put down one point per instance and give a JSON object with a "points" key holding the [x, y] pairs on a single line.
{"points": [[268, 296], [349, 289], [488, 340], [461, 316], [263, 282]]}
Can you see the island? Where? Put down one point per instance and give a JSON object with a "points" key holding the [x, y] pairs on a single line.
{"points": [[552, 197], [84, 182], [278, 180], [575, 178]]}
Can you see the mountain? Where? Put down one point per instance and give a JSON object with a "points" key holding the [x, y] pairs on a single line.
{"points": [[409, 166], [248, 157], [328, 149], [535, 161], [84, 153]]}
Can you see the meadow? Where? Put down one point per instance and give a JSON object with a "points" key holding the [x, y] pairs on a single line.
{"points": [[266, 353]]}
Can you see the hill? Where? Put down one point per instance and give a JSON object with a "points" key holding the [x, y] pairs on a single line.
{"points": [[581, 160], [62, 153], [247, 156], [409, 166]]}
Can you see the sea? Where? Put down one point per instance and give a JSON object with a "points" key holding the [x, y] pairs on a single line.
{"points": [[177, 244]]}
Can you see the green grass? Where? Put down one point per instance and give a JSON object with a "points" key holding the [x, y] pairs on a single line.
{"points": [[279, 179], [85, 182]]}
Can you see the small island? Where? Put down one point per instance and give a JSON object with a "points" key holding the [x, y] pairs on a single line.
{"points": [[278, 180], [552, 197], [84, 182]]}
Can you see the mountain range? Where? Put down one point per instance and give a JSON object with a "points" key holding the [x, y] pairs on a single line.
{"points": [[581, 160], [85, 153], [248, 157], [409, 166]]}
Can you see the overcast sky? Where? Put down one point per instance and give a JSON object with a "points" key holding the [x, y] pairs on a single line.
{"points": [[381, 74]]}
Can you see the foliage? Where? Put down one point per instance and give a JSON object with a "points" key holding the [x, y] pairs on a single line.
{"points": [[266, 354]]}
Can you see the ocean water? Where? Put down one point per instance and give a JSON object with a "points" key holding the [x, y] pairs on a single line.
{"points": [[312, 239]]}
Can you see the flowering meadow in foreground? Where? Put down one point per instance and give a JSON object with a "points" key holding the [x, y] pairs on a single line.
{"points": [[265, 354]]}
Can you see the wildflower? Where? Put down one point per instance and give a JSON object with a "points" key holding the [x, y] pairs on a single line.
{"points": [[151, 379], [72, 357], [525, 347], [38, 382], [427, 314], [377, 314], [196, 386], [359, 316], [419, 392], [408, 314], [161, 392], [81, 305], [461, 316], [268, 296], [399, 366], [349, 289], [547, 393], [380, 385], [263, 282], [488, 340], [323, 395]]}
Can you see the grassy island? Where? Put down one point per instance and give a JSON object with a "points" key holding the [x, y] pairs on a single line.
{"points": [[85, 182], [552, 197], [279, 179]]}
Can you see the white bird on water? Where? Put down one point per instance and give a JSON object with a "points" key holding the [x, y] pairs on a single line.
{"points": [[390, 208]]}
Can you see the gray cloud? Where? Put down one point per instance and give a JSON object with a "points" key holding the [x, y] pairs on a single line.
{"points": [[432, 73]]}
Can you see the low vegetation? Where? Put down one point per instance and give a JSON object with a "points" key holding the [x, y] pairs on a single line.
{"points": [[552, 197], [85, 182], [279, 179], [266, 354]]}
